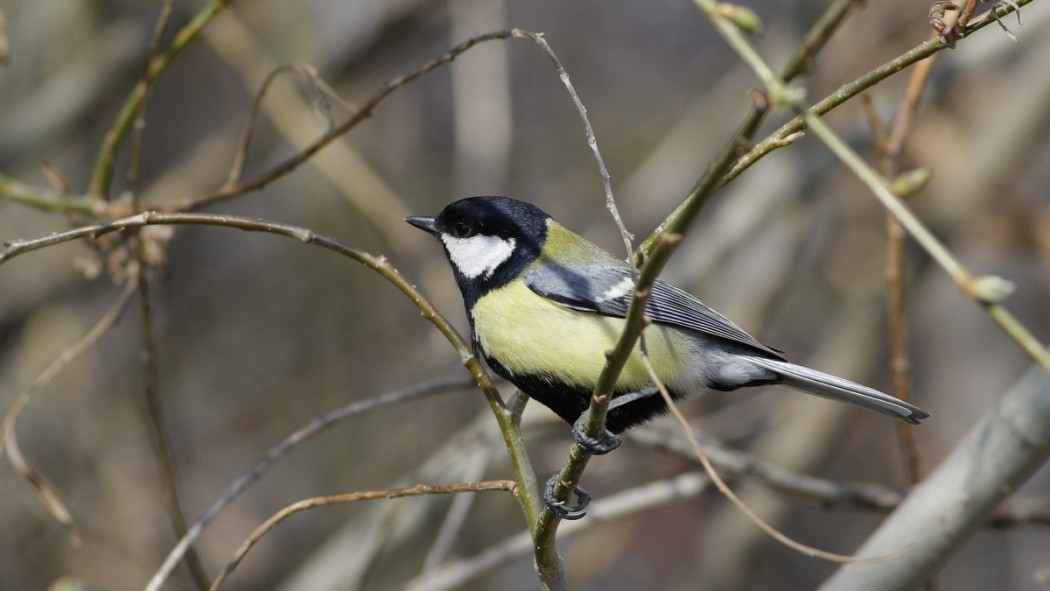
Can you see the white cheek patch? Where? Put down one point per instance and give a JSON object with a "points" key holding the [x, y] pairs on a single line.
{"points": [[618, 290], [478, 255]]}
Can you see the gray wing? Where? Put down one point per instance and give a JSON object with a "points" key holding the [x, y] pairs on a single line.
{"points": [[608, 290]]}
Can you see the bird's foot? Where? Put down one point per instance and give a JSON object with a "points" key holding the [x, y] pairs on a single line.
{"points": [[561, 508], [600, 446]]}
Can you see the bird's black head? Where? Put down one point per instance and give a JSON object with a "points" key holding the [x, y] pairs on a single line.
{"points": [[488, 240]]}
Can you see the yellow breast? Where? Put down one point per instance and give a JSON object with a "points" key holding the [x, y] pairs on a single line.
{"points": [[529, 334]]}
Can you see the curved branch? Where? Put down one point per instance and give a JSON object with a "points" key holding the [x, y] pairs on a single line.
{"points": [[411, 491]]}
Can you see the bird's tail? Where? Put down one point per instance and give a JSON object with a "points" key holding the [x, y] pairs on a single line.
{"points": [[836, 388]]}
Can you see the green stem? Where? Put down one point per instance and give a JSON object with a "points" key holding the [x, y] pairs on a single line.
{"points": [[875, 183], [47, 199], [814, 41], [811, 117], [848, 91], [103, 174]]}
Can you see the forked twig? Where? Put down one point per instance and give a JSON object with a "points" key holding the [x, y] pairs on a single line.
{"points": [[103, 173], [316, 82], [363, 112]]}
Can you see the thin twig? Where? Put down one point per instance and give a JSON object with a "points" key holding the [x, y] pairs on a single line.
{"points": [[301, 435], [456, 574], [817, 37], [365, 111], [851, 89], [891, 152], [814, 40], [47, 199], [9, 441], [762, 524], [592, 141], [162, 448], [134, 167], [442, 489], [315, 80], [103, 173], [377, 263]]}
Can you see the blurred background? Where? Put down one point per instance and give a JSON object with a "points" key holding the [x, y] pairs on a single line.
{"points": [[256, 334]]}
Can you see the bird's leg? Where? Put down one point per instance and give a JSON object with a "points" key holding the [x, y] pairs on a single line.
{"points": [[561, 508], [603, 445], [608, 441]]}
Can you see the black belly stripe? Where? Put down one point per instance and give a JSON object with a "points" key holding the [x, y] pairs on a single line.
{"points": [[569, 401]]}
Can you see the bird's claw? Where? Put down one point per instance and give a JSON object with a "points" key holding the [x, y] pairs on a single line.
{"points": [[600, 446], [561, 508]]}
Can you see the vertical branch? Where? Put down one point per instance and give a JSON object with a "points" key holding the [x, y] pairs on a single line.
{"points": [[161, 441], [891, 152]]}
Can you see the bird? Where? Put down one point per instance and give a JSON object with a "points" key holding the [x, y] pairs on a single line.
{"points": [[545, 304]]}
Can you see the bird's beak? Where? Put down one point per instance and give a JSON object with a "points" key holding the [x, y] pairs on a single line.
{"points": [[424, 223]]}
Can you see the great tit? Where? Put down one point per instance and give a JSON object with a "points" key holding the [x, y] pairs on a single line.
{"points": [[545, 304]]}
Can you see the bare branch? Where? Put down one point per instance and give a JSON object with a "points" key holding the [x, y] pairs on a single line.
{"points": [[365, 111], [9, 441], [456, 574], [316, 82], [315, 427], [393, 493], [1000, 452], [139, 128], [103, 174], [162, 448]]}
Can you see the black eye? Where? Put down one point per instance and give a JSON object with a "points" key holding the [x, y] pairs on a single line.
{"points": [[461, 229]]}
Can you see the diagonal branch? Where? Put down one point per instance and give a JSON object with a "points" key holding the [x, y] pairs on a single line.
{"points": [[1009, 443], [657, 250], [103, 173], [852, 89]]}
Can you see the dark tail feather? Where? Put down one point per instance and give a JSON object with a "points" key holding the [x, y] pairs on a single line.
{"points": [[836, 388]]}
